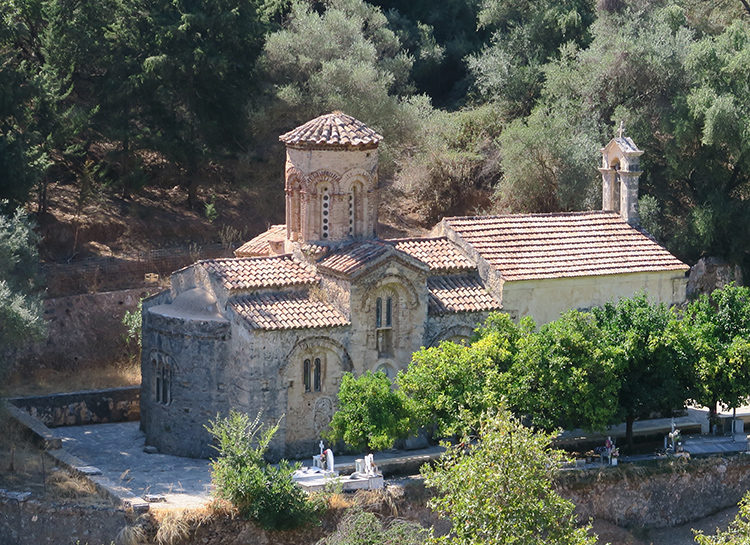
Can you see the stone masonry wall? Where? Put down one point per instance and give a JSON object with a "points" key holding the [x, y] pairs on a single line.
{"points": [[659, 496], [33, 522], [79, 408], [82, 330]]}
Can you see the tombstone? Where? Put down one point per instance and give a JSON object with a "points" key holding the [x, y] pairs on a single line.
{"points": [[329, 461]]}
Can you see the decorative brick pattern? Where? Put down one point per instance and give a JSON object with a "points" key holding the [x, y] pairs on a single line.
{"points": [[259, 246], [259, 272], [532, 246], [287, 311], [335, 128], [440, 254], [464, 293]]}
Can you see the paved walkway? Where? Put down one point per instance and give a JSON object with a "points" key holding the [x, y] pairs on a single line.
{"points": [[117, 451]]}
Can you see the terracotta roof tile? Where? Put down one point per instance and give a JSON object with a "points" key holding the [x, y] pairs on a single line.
{"points": [[246, 273], [440, 254], [335, 128], [531, 246], [287, 311], [464, 293], [349, 259], [259, 246]]}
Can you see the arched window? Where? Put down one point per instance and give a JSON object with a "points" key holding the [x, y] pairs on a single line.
{"points": [[352, 210], [306, 374], [312, 374], [384, 325], [162, 380], [616, 186], [316, 375], [325, 211]]}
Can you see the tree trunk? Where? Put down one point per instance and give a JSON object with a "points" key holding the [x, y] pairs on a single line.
{"points": [[126, 167], [712, 417], [629, 430], [42, 204]]}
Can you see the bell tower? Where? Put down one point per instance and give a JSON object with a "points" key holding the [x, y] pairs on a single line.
{"points": [[331, 180], [620, 172]]}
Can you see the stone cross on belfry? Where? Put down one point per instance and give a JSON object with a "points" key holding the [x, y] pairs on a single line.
{"points": [[622, 129]]}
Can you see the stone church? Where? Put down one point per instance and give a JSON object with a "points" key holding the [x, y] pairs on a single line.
{"points": [[275, 328]]}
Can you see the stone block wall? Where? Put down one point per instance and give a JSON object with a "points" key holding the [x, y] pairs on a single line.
{"points": [[194, 354], [86, 407], [658, 496]]}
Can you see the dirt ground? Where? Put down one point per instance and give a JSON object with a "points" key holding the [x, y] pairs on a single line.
{"points": [[24, 468]]}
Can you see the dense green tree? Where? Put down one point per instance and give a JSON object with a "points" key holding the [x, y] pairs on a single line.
{"points": [[344, 58], [451, 385], [439, 35], [202, 72], [526, 35], [370, 415], [566, 375], [683, 98], [22, 158], [655, 371], [718, 326], [499, 489], [20, 306]]}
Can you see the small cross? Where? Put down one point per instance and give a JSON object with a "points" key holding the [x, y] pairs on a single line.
{"points": [[622, 129]]}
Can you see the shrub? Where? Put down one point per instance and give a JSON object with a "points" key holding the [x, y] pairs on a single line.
{"points": [[359, 527], [260, 491], [371, 415]]}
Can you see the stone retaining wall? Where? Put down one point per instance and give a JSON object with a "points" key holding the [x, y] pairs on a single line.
{"points": [[82, 331], [86, 407], [660, 495], [32, 522]]}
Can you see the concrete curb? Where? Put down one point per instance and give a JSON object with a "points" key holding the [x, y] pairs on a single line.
{"points": [[52, 447], [39, 433]]}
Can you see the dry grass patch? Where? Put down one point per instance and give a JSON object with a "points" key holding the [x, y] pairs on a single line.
{"points": [[42, 381]]}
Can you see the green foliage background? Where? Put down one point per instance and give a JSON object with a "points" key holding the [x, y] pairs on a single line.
{"points": [[486, 105]]}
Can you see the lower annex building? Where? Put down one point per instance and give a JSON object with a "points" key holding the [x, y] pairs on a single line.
{"points": [[276, 327]]}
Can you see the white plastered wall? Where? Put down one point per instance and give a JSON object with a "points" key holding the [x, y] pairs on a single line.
{"points": [[546, 299]]}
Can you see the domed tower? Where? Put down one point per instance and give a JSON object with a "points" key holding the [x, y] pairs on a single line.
{"points": [[331, 179]]}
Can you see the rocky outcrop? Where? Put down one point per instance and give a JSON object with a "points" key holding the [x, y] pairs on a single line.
{"points": [[711, 273]]}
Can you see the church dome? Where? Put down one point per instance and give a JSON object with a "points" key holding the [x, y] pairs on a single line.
{"points": [[334, 129]]}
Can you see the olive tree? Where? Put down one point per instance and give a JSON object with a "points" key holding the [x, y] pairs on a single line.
{"points": [[498, 489]]}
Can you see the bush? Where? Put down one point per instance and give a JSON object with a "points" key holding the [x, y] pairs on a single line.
{"points": [[371, 415], [359, 527], [261, 492]]}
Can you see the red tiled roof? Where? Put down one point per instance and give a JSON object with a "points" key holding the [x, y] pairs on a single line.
{"points": [[440, 254], [243, 273], [464, 293], [530, 246], [335, 128], [259, 245], [350, 258], [287, 311]]}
